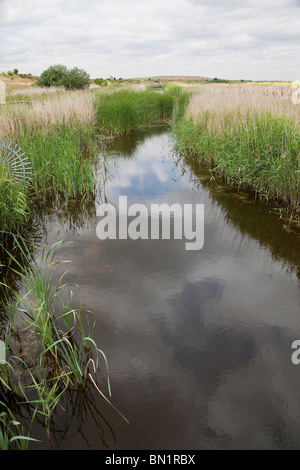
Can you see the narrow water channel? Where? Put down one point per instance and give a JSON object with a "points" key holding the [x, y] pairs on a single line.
{"points": [[198, 342]]}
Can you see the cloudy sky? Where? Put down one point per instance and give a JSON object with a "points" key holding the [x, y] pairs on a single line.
{"points": [[234, 39]]}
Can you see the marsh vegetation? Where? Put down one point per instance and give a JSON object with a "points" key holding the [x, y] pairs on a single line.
{"points": [[61, 133], [247, 134]]}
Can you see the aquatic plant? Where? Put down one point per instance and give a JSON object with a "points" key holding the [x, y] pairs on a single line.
{"points": [[124, 111], [65, 354], [14, 210], [60, 170], [11, 431]]}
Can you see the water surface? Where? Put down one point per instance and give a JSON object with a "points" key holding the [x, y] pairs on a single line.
{"points": [[198, 342]]}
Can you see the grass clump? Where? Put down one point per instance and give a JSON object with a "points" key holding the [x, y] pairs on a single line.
{"points": [[124, 111], [49, 345], [14, 204], [59, 169], [11, 432]]}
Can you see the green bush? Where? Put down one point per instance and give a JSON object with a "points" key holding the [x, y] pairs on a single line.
{"points": [[60, 75], [76, 79], [98, 81]]}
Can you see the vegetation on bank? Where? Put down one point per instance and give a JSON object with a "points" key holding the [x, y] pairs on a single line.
{"points": [[13, 203], [248, 135], [125, 111], [62, 354], [60, 134]]}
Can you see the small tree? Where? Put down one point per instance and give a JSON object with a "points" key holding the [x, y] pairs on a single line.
{"points": [[55, 75], [59, 75], [77, 79]]}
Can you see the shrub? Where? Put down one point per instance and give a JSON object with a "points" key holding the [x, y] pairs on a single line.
{"points": [[77, 79], [55, 75], [60, 75]]}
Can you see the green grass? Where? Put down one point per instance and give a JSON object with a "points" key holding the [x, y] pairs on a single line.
{"points": [[14, 211], [61, 163], [11, 432], [68, 355], [124, 111], [62, 150], [259, 151]]}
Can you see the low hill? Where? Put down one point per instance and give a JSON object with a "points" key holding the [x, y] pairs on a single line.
{"points": [[16, 80]]}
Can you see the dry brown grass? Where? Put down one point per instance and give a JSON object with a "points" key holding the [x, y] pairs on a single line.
{"points": [[31, 91], [43, 114], [219, 100], [52, 106]]}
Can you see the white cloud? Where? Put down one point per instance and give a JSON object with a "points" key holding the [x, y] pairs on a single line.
{"points": [[254, 39]]}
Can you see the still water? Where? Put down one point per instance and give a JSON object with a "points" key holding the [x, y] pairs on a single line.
{"points": [[198, 342]]}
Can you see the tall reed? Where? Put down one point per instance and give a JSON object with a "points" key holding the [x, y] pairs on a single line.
{"points": [[59, 136], [126, 110], [67, 355], [249, 135], [13, 204]]}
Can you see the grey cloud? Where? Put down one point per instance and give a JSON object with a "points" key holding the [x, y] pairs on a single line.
{"points": [[134, 38]]}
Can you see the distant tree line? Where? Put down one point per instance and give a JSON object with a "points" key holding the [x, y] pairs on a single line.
{"points": [[104, 82], [12, 73]]}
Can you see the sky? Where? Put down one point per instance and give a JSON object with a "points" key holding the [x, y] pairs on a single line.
{"points": [[233, 39]]}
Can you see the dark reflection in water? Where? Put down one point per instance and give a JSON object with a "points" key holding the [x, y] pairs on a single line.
{"points": [[198, 343], [266, 222], [210, 352], [127, 145]]}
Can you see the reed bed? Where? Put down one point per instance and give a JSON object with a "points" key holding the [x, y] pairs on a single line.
{"points": [[128, 110], [33, 92], [55, 109], [218, 101], [13, 203], [248, 134], [60, 133]]}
